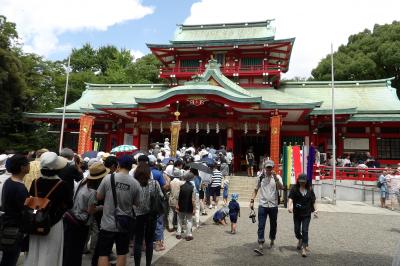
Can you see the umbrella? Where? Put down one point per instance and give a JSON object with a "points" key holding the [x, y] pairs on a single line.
{"points": [[90, 154], [166, 160], [208, 161], [201, 167], [124, 148]]}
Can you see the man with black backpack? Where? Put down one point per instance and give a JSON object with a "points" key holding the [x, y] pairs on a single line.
{"points": [[269, 183], [120, 192]]}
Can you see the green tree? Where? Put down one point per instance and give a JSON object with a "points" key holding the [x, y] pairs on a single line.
{"points": [[145, 70], [367, 55]]}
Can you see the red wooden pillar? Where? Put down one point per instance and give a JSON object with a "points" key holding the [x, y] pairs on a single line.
{"points": [[229, 139], [373, 149], [275, 124], [339, 146], [136, 137]]}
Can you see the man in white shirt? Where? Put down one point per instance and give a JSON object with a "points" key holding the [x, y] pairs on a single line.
{"points": [[268, 182]]}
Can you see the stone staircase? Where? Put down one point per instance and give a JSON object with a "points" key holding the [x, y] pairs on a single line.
{"points": [[244, 186]]}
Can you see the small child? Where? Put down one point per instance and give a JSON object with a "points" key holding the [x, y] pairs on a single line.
{"points": [[234, 211], [225, 194], [219, 216]]}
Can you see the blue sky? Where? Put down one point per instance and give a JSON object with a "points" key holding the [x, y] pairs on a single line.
{"points": [[51, 28], [158, 27]]}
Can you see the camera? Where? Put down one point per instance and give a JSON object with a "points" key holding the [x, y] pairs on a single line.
{"points": [[252, 216]]}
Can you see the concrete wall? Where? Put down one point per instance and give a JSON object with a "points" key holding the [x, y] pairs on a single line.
{"points": [[347, 190]]}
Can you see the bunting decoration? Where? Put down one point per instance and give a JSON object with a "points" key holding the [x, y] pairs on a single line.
{"points": [[217, 128], [258, 128], [161, 127], [151, 127], [85, 132], [175, 128], [187, 127], [197, 127], [245, 128], [208, 128], [310, 163], [291, 166]]}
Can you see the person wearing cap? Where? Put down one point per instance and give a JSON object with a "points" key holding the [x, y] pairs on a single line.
{"points": [[34, 172], [302, 204], [72, 172], [186, 207], [78, 219], [13, 201], [268, 183], [48, 250], [128, 193], [164, 185], [234, 212]]}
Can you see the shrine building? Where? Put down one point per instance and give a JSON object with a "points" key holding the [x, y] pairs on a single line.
{"points": [[225, 80]]}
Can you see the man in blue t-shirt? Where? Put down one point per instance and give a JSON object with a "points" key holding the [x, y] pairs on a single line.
{"points": [[164, 184]]}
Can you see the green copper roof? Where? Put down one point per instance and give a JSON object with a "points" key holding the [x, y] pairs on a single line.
{"points": [[371, 96], [375, 118], [228, 31], [108, 94], [52, 115]]}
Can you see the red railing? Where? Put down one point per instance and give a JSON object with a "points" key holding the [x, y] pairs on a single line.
{"points": [[226, 70], [348, 173]]}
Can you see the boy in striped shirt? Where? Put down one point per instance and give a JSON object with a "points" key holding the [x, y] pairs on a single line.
{"points": [[216, 181]]}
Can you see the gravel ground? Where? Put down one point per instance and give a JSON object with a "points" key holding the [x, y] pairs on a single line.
{"points": [[335, 239]]}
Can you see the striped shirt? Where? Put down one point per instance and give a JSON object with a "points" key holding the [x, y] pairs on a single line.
{"points": [[216, 178]]}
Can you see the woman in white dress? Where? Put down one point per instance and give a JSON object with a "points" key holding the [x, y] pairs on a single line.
{"points": [[47, 250]]}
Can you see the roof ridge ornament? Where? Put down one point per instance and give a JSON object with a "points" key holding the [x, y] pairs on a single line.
{"points": [[213, 64]]}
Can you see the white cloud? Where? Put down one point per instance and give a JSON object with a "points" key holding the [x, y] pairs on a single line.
{"points": [[40, 22], [136, 54], [314, 23]]}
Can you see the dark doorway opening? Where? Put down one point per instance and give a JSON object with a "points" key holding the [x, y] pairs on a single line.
{"points": [[260, 144]]}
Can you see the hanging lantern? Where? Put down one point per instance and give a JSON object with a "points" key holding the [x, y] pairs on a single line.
{"points": [[161, 127], [151, 127], [245, 128], [197, 127], [258, 128], [217, 128], [208, 128], [187, 127]]}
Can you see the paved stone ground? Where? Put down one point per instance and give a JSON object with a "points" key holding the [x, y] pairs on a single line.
{"points": [[336, 238]]}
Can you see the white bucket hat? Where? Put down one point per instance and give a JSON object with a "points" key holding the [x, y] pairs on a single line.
{"points": [[51, 161]]}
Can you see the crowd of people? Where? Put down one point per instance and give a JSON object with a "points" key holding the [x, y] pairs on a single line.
{"points": [[87, 205]]}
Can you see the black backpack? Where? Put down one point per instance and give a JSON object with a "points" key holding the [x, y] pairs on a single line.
{"points": [[36, 213]]}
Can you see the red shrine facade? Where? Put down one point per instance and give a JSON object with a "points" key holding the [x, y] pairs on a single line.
{"points": [[225, 80]]}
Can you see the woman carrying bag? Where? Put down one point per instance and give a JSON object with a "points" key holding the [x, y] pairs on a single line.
{"points": [[302, 204], [47, 249], [12, 202], [145, 218]]}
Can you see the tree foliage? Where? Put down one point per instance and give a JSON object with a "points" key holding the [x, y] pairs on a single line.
{"points": [[367, 55], [30, 83]]}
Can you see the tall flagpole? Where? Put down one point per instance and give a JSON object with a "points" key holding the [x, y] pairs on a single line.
{"points": [[65, 104], [333, 129]]}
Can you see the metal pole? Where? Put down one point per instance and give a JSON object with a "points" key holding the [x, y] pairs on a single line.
{"points": [[65, 103], [333, 128]]}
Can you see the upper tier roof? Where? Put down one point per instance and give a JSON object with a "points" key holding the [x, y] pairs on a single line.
{"points": [[262, 30]]}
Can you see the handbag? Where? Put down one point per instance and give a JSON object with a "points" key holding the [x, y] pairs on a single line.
{"points": [[157, 203], [123, 222], [10, 234]]}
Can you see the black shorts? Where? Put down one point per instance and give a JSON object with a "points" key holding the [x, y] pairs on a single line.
{"points": [[215, 191], [233, 217], [107, 239], [201, 194]]}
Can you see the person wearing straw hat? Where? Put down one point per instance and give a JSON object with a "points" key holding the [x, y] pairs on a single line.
{"points": [[302, 204], [34, 172], [78, 219], [48, 250]]}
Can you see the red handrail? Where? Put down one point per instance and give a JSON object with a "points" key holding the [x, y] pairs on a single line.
{"points": [[348, 173]]}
